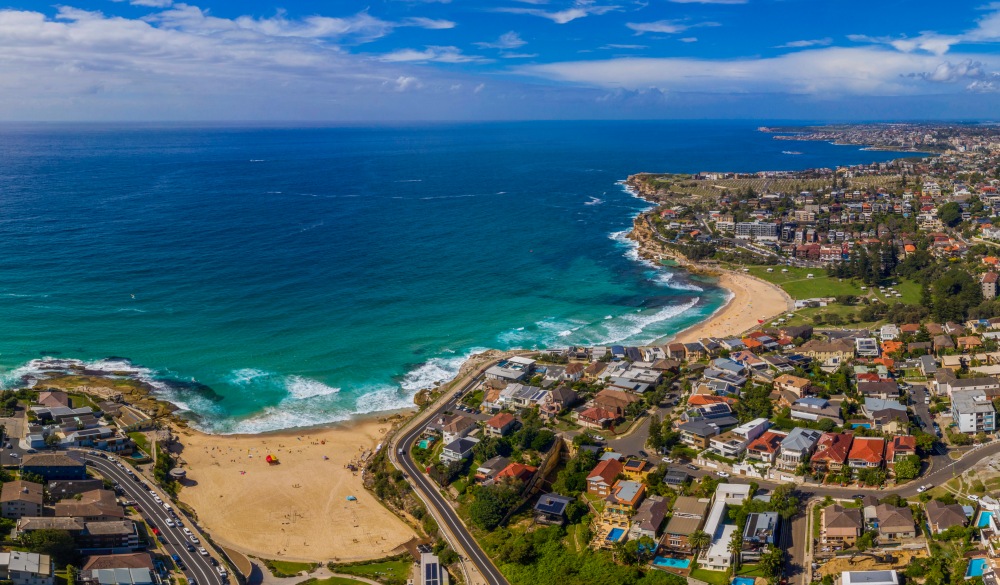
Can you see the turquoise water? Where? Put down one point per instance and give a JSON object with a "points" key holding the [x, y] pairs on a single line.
{"points": [[975, 568], [616, 534], [861, 425], [672, 563], [984, 519], [267, 278], [743, 581]]}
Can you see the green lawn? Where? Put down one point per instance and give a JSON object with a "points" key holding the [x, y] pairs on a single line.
{"points": [[81, 400], [713, 577], [288, 568], [750, 571], [140, 441], [331, 581], [387, 570], [797, 284]]}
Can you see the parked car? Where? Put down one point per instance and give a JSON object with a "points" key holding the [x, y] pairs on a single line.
{"points": [[202, 551], [693, 467], [721, 474]]}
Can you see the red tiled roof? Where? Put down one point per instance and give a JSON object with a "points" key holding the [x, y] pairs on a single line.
{"points": [[597, 414], [500, 420], [833, 447], [517, 471], [868, 449], [900, 444], [766, 443], [606, 470]]}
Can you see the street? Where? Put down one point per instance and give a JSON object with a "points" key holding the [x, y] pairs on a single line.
{"points": [[198, 568]]}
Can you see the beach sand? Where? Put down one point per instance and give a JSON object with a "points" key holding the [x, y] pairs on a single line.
{"points": [[752, 299], [298, 508]]}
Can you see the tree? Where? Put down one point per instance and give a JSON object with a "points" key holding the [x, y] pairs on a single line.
{"points": [[950, 214], [492, 503], [866, 541], [57, 543], [655, 440], [699, 539], [772, 562], [908, 468]]}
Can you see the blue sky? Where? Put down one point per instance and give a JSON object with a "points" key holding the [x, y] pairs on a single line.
{"points": [[397, 60]]}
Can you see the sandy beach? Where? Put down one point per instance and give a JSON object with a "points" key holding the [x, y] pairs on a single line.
{"points": [[752, 299], [298, 508]]}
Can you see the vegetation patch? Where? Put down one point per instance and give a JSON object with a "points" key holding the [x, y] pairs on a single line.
{"points": [[283, 569], [391, 571]]}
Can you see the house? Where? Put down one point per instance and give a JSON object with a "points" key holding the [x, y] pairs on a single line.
{"points": [[521, 396], [969, 343], [500, 425], [458, 427], [119, 576], [989, 284], [942, 342], [602, 478], [648, 518], [733, 494], [831, 451], [697, 433], [840, 526], [866, 347], [688, 516], [487, 472], [596, 418], [514, 369], [615, 401], [889, 332], [797, 447], [813, 408], [458, 450], [945, 382], [765, 447], [516, 471], [21, 498], [53, 466], [93, 506], [675, 477], [941, 517], [26, 568], [882, 389], [866, 453], [574, 372], [759, 535], [558, 400], [869, 578], [732, 443], [636, 469], [842, 349], [894, 522], [928, 367], [431, 571], [900, 447], [794, 384], [972, 411], [53, 399], [138, 560], [551, 509], [887, 416]]}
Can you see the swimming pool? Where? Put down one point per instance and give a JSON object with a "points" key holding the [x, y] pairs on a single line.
{"points": [[975, 568], [672, 563], [861, 426], [984, 518], [616, 534], [742, 581]]}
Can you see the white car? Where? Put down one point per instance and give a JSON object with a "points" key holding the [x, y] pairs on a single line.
{"points": [[668, 459], [202, 551], [599, 437], [170, 523], [194, 539], [921, 489], [187, 531], [721, 474], [974, 497]]}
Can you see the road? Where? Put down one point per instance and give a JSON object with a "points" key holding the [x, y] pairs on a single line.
{"points": [[197, 566], [431, 495]]}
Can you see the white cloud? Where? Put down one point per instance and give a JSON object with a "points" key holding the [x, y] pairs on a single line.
{"points": [[582, 9], [151, 3], [508, 40], [431, 54], [688, 40], [406, 83], [947, 72], [806, 43], [616, 46], [428, 23], [665, 26], [827, 72]]}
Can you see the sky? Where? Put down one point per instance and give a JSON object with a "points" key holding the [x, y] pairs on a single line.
{"points": [[421, 60]]}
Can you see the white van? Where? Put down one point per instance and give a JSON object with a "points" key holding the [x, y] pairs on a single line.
{"points": [[221, 571]]}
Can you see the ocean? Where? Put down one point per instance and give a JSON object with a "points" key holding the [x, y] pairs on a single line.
{"points": [[265, 278]]}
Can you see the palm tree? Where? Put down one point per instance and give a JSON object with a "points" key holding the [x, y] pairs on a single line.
{"points": [[699, 539]]}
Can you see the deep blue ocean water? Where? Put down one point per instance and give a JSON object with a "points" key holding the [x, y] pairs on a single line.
{"points": [[307, 275]]}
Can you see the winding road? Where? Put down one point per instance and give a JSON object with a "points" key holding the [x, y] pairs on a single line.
{"points": [[461, 540]]}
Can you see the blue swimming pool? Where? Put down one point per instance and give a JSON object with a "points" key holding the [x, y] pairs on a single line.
{"points": [[742, 581], [674, 563], [984, 518], [861, 425], [975, 568], [616, 534]]}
